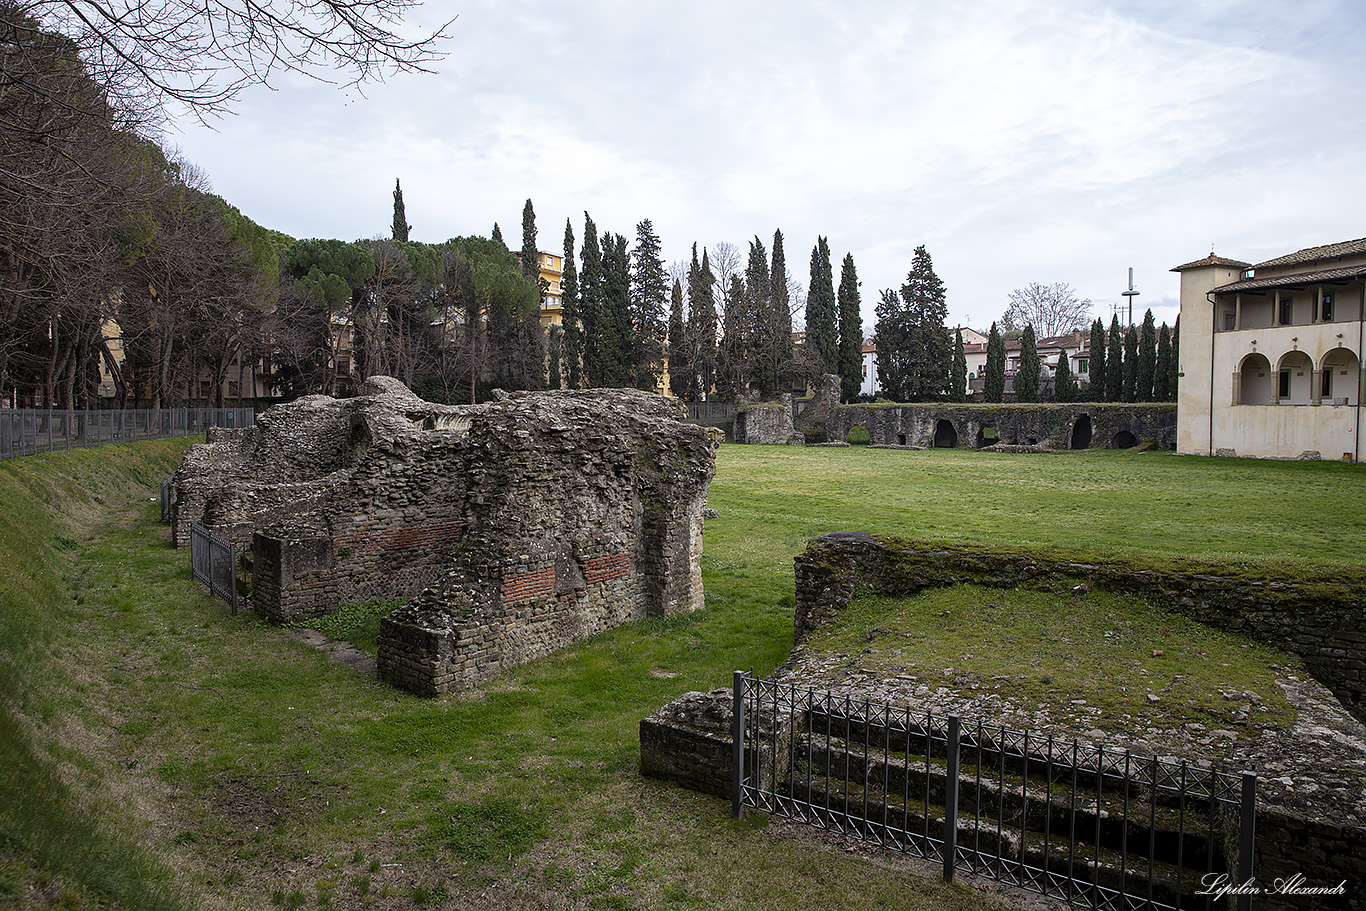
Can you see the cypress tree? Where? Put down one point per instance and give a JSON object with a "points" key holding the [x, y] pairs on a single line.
{"points": [[497, 234], [755, 311], [1147, 359], [618, 342], [1174, 371], [779, 330], [590, 305], [531, 257], [822, 333], [1027, 377], [1114, 362], [995, 378], [960, 368], [1095, 375], [702, 325], [850, 365], [1064, 383], [555, 354], [569, 312], [680, 370], [1131, 365], [401, 226], [1162, 372]]}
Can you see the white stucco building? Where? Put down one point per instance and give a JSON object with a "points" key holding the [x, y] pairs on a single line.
{"points": [[1270, 358]]}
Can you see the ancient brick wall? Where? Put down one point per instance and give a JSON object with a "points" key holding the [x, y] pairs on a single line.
{"points": [[1325, 625], [767, 423], [512, 528], [1089, 425]]}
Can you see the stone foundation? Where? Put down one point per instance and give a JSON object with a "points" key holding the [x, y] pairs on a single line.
{"points": [[511, 529]]}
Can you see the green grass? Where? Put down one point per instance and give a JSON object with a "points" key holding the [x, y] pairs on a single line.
{"points": [[265, 775]]}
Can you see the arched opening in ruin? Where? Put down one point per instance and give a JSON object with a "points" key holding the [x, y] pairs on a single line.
{"points": [[901, 439], [945, 434], [987, 436], [1080, 437], [1124, 440], [858, 436]]}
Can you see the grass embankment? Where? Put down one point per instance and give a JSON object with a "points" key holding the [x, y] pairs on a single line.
{"points": [[265, 775]]}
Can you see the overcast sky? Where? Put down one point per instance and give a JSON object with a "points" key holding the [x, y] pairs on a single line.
{"points": [[1018, 141]]}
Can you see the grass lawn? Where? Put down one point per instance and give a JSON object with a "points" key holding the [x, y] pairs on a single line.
{"points": [[227, 766]]}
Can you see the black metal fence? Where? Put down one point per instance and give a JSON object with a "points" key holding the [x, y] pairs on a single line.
{"points": [[25, 431], [165, 501], [1098, 827], [710, 411], [213, 561]]}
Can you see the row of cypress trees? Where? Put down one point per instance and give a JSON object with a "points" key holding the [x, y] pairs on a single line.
{"points": [[1133, 364]]}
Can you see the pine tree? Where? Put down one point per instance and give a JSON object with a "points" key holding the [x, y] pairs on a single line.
{"points": [[590, 305], [1064, 383], [1027, 376], [1147, 359], [959, 392], [1131, 365], [1162, 370], [929, 354], [1114, 362], [531, 257], [1174, 371], [649, 291], [680, 368], [995, 378], [497, 234], [702, 325], [822, 333], [850, 365], [401, 226], [569, 312], [1095, 375], [892, 334]]}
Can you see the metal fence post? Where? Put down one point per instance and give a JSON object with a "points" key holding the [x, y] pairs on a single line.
{"points": [[1247, 825], [951, 800], [737, 765]]}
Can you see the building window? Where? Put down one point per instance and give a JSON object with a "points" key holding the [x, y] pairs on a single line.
{"points": [[865, 371], [1284, 388], [1283, 318], [1230, 320], [1327, 390], [1326, 314]]}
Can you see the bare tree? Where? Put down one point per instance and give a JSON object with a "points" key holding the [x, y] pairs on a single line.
{"points": [[202, 55], [1051, 309]]}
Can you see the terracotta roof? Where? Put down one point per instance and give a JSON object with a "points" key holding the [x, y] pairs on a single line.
{"points": [[1294, 280], [1213, 260], [1315, 254]]}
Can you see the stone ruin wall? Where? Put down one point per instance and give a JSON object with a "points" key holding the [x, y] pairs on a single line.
{"points": [[1053, 426], [1304, 832], [511, 529], [767, 423]]}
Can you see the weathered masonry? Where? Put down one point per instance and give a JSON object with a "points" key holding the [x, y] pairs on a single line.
{"points": [[1090, 425], [511, 529]]}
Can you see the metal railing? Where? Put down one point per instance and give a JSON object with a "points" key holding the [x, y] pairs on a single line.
{"points": [[710, 411], [213, 561], [1097, 826], [166, 501], [26, 431]]}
